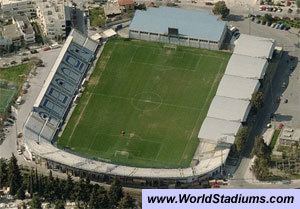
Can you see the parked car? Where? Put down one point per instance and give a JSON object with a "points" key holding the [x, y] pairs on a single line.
{"points": [[281, 26], [273, 25], [47, 48], [25, 59], [34, 51]]}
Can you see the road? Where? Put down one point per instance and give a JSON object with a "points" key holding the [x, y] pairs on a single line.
{"points": [[36, 82], [288, 113]]}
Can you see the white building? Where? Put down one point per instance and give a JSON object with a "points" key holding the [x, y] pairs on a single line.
{"points": [[194, 28], [13, 7], [254, 46], [25, 28], [51, 18]]}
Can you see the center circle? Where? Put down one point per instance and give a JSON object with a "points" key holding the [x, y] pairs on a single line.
{"points": [[146, 101]]}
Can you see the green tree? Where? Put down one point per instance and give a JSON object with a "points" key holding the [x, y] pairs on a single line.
{"points": [[69, 187], [220, 8], [15, 177], [3, 173], [267, 18], [127, 202], [21, 193], [257, 100], [260, 168], [115, 192], [240, 138], [30, 184], [98, 198], [36, 202], [60, 204], [261, 149]]}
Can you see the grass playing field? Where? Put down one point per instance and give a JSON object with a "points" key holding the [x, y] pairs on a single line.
{"points": [[14, 75], [157, 96], [6, 96]]}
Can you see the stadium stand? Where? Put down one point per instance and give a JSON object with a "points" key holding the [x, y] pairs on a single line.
{"points": [[61, 86], [195, 28]]}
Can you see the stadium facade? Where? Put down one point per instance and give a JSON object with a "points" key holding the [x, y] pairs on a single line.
{"points": [[216, 135], [194, 28]]}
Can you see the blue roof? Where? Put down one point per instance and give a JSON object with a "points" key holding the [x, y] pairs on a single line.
{"points": [[197, 24]]}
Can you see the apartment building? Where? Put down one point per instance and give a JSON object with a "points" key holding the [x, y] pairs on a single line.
{"points": [[51, 18], [12, 7], [25, 28]]}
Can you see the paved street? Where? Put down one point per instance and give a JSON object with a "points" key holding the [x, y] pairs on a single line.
{"points": [[286, 113], [36, 82]]}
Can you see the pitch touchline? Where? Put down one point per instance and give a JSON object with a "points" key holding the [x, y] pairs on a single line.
{"points": [[147, 101], [184, 50], [77, 122], [191, 136]]}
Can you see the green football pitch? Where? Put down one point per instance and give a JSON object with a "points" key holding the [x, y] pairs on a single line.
{"points": [[6, 96], [144, 104]]}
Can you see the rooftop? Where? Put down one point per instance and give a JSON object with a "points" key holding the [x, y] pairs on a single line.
{"points": [[125, 2], [237, 87], [254, 46], [214, 130], [11, 32], [197, 24], [24, 24], [229, 109], [246, 66], [52, 10]]}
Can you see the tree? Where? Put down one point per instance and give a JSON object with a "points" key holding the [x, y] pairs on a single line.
{"points": [[69, 187], [115, 192], [15, 177], [30, 184], [21, 193], [240, 138], [36, 202], [60, 204], [98, 198], [127, 202], [257, 100], [3, 173], [261, 149], [267, 18], [260, 168], [220, 8]]}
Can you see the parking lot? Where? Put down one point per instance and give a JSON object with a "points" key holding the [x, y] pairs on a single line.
{"points": [[9, 145]]}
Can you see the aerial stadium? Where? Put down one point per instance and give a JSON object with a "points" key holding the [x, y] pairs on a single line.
{"points": [[164, 108]]}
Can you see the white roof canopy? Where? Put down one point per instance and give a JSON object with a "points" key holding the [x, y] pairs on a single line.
{"points": [[247, 67], [254, 46], [109, 33], [229, 109], [237, 87], [217, 130]]}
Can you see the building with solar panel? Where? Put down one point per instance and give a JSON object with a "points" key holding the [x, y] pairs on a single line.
{"points": [[194, 28]]}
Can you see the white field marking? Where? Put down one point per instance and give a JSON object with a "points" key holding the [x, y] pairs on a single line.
{"points": [[153, 102], [90, 95], [206, 100], [189, 51]]}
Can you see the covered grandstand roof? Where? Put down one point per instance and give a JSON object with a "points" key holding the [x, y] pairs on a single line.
{"points": [[254, 46], [61, 85], [229, 109], [197, 24], [237, 87], [214, 130], [246, 66]]}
